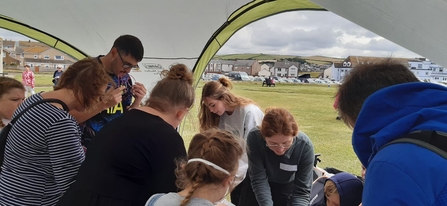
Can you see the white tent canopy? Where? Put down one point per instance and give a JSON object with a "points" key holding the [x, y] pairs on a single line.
{"points": [[171, 30], [416, 25], [192, 31]]}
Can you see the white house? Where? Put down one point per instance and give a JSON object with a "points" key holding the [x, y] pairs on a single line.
{"points": [[337, 71], [265, 71], [293, 71], [426, 70], [285, 69]]}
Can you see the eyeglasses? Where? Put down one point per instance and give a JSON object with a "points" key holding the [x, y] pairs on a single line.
{"points": [[283, 146], [127, 65]]}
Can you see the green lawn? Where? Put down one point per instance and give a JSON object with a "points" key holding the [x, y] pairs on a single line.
{"points": [[310, 104], [312, 107]]}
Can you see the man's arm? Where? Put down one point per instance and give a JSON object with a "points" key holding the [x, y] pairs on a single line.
{"points": [[113, 97], [32, 80], [23, 79], [138, 91], [83, 116]]}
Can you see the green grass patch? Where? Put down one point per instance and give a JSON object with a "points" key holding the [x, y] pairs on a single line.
{"points": [[42, 79]]}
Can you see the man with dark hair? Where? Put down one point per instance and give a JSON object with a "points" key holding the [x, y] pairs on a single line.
{"points": [[126, 52], [384, 102]]}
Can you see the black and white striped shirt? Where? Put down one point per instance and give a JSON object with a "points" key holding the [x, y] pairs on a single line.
{"points": [[42, 156]]}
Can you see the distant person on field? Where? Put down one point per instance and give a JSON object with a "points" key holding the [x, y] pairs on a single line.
{"points": [[209, 172], [43, 149], [336, 108], [57, 75], [343, 189], [219, 108], [124, 56], [12, 94], [281, 161], [383, 102], [28, 80]]}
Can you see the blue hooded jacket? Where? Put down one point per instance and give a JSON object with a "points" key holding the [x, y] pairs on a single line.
{"points": [[349, 187], [402, 174]]}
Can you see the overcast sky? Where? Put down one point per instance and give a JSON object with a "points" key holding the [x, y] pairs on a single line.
{"points": [[303, 33], [307, 33]]}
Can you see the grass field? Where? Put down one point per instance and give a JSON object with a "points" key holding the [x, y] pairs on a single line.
{"points": [[310, 104]]}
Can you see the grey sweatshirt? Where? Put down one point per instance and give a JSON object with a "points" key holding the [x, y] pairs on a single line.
{"points": [[295, 165]]}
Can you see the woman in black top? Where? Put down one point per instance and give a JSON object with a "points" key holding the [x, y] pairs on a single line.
{"points": [[133, 157]]}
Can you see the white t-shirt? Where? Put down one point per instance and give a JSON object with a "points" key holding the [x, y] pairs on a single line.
{"points": [[5, 122], [242, 120], [240, 123]]}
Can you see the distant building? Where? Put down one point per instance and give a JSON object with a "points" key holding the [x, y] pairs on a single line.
{"points": [[251, 67], [35, 54], [338, 71], [427, 71], [286, 69], [8, 59], [265, 71], [219, 66]]}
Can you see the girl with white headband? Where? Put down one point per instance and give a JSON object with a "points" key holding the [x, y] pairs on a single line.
{"points": [[208, 175]]}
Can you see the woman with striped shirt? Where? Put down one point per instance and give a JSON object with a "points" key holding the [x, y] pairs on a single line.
{"points": [[43, 150]]}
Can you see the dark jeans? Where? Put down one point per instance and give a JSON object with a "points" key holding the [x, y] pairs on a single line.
{"points": [[281, 194]]}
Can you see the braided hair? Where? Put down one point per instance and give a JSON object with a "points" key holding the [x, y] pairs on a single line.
{"points": [[216, 146]]}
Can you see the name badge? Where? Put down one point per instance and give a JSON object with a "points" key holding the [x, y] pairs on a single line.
{"points": [[286, 167]]}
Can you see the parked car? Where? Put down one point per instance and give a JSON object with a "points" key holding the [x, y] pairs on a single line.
{"points": [[216, 76], [259, 79], [243, 76]]}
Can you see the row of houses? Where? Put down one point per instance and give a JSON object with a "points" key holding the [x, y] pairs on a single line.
{"points": [[35, 54], [422, 68], [254, 67]]}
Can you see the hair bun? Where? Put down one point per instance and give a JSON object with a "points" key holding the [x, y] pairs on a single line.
{"points": [[179, 71], [225, 82]]}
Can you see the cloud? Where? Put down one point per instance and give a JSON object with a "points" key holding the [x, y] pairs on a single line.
{"points": [[309, 33], [9, 35]]}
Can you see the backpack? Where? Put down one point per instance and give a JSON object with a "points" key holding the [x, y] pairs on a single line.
{"points": [[5, 131], [317, 192], [434, 141]]}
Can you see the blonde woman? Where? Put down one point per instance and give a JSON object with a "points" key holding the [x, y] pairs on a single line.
{"points": [[222, 109], [208, 173]]}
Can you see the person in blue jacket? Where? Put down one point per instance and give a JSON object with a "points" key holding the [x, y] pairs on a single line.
{"points": [[383, 102], [343, 189]]}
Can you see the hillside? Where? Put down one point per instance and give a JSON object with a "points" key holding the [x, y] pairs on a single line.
{"points": [[310, 59]]}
